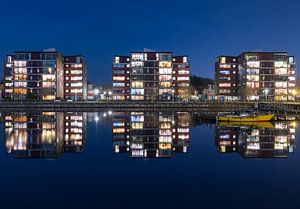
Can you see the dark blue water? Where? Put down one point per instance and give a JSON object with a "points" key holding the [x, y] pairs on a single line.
{"points": [[95, 176]]}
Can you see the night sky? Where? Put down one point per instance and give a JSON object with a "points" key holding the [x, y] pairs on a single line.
{"points": [[202, 29]]}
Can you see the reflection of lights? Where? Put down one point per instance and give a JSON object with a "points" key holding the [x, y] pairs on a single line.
{"points": [[96, 118], [104, 114], [109, 112]]}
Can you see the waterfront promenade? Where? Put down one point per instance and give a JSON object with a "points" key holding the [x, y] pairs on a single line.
{"points": [[194, 106]]}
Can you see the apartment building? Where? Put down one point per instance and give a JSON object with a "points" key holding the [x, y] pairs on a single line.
{"points": [[43, 75], [269, 76], [75, 78], [150, 76], [226, 71]]}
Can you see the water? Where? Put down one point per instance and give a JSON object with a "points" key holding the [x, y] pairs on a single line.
{"points": [[114, 160]]}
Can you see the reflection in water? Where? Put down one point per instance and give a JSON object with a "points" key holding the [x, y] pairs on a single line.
{"points": [[141, 134], [44, 134], [262, 140], [150, 134]]}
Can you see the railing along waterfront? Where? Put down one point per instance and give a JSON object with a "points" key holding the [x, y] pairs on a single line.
{"points": [[213, 106]]}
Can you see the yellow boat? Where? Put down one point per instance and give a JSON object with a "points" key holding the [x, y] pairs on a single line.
{"points": [[246, 118]]}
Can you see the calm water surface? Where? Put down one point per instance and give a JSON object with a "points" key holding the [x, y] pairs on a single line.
{"points": [[146, 160]]}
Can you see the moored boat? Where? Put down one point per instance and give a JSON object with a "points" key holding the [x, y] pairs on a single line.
{"points": [[246, 118]]}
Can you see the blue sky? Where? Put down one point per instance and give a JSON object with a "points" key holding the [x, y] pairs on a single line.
{"points": [[202, 29]]}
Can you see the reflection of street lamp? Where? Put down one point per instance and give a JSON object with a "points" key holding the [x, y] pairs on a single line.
{"points": [[173, 91], [266, 93]]}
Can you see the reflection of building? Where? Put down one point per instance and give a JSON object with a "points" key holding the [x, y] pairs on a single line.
{"points": [[257, 76], [44, 134], [150, 76], [74, 131], [257, 140], [146, 134]]}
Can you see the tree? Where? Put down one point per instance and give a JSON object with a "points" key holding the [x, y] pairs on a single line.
{"points": [[200, 83]]}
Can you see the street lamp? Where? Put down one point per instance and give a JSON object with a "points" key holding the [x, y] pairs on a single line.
{"points": [[173, 91], [96, 93]]}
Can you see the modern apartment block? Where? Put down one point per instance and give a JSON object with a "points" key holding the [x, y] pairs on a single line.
{"points": [[257, 76], [226, 71], [44, 76], [150, 76], [75, 78]]}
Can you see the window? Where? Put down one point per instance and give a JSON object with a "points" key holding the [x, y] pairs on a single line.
{"points": [[118, 124], [225, 85], [165, 64], [76, 91], [280, 64], [137, 64], [223, 60], [253, 84], [137, 91], [76, 84], [165, 71], [185, 59], [165, 77], [225, 66], [225, 78], [20, 63], [76, 78], [252, 77], [76, 72], [252, 71], [118, 84], [281, 91], [48, 84], [183, 78], [166, 84], [183, 72], [137, 57], [137, 118], [76, 65], [118, 78], [117, 60], [253, 64], [281, 84], [137, 125], [281, 71], [224, 72], [137, 84]]}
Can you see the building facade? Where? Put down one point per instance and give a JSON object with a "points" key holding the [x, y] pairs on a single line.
{"points": [[75, 78], [226, 79], [150, 76], [43, 76], [269, 76]]}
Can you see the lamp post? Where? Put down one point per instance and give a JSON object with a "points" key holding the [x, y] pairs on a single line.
{"points": [[96, 94]]}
